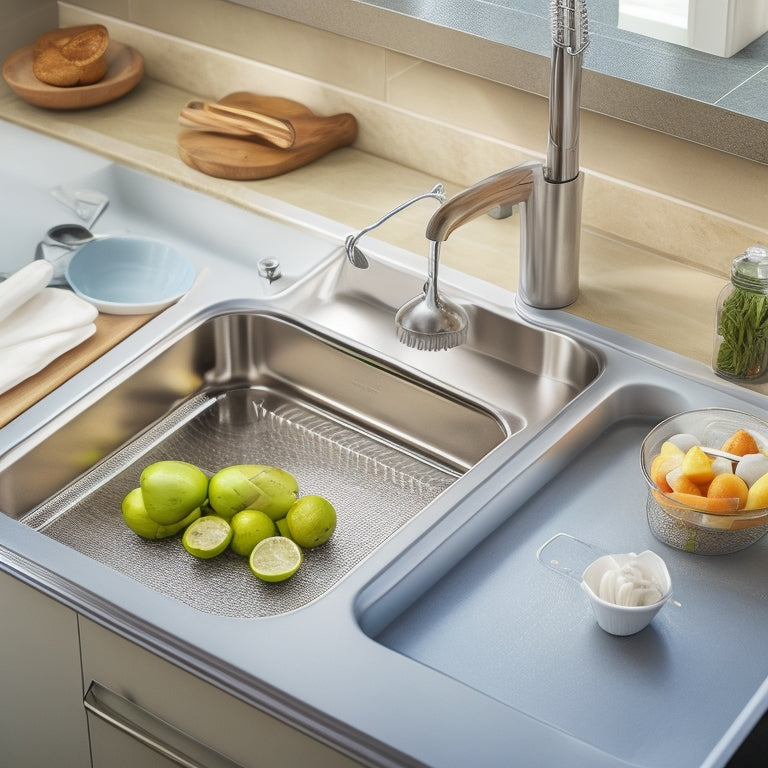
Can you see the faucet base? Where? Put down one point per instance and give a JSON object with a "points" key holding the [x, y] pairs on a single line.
{"points": [[549, 242]]}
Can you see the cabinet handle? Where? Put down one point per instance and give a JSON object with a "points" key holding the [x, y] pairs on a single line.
{"points": [[152, 731]]}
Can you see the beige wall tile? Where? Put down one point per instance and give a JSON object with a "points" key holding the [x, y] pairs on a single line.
{"points": [[686, 297], [397, 63], [261, 37], [121, 9], [21, 21], [689, 234], [472, 104]]}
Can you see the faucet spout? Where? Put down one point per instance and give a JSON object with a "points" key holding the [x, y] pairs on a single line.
{"points": [[505, 188]]}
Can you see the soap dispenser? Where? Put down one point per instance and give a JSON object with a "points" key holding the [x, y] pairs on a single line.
{"points": [[741, 327]]}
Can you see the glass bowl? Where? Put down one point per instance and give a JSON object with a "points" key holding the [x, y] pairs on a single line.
{"points": [[682, 525]]}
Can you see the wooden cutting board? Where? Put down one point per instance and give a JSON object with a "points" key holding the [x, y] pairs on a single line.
{"points": [[242, 159]]}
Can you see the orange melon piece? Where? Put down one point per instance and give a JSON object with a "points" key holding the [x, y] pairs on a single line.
{"points": [[740, 444], [703, 504], [727, 486], [681, 483], [661, 466]]}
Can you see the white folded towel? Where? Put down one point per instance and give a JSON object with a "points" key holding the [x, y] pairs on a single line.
{"points": [[23, 360], [49, 311], [23, 284], [37, 323]]}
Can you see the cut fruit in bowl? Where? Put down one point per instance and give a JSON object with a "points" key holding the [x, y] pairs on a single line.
{"points": [[698, 500]]}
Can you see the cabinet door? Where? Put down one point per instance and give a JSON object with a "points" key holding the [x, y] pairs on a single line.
{"points": [[42, 721], [161, 703]]}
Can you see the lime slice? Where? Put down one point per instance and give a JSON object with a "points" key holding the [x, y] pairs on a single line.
{"points": [[207, 537], [275, 559]]}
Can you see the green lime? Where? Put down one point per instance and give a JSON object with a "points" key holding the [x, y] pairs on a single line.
{"points": [[275, 559], [137, 519], [230, 490], [311, 521], [249, 527], [207, 537], [172, 489]]}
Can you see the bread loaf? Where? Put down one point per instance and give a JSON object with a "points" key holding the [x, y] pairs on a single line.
{"points": [[71, 56]]}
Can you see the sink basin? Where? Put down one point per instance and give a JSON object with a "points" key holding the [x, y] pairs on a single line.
{"points": [[510, 620], [378, 439]]}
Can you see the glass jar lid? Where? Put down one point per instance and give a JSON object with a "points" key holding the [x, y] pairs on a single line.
{"points": [[750, 270]]}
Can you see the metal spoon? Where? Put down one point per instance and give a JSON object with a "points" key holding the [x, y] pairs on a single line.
{"points": [[721, 454], [58, 245]]}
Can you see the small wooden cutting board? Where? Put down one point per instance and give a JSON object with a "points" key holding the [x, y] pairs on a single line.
{"points": [[242, 159]]}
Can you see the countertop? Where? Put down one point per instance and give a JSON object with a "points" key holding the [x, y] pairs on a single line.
{"points": [[651, 299], [623, 287]]}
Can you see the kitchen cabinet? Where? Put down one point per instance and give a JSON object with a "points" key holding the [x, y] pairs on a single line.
{"points": [[50, 657], [42, 721], [162, 703]]}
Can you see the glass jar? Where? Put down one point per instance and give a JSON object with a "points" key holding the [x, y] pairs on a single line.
{"points": [[741, 327]]}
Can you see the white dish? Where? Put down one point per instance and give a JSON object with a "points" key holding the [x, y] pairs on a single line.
{"points": [[129, 275], [623, 619]]}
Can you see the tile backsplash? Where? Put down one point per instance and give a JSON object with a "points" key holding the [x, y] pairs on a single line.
{"points": [[673, 197], [21, 21]]}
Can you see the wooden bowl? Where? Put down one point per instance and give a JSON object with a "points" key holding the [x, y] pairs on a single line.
{"points": [[125, 68]]}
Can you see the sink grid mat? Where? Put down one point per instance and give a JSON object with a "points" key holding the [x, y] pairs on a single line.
{"points": [[374, 487]]}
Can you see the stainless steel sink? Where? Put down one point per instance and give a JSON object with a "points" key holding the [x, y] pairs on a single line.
{"points": [[380, 441], [449, 471]]}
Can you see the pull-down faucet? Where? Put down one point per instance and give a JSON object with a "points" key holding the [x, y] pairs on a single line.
{"points": [[549, 197]]}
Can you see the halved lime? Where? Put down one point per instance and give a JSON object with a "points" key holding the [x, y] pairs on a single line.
{"points": [[207, 537], [275, 559]]}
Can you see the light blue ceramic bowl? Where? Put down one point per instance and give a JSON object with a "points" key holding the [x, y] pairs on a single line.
{"points": [[125, 275]]}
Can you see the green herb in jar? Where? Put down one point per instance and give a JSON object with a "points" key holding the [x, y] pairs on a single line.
{"points": [[743, 326]]}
